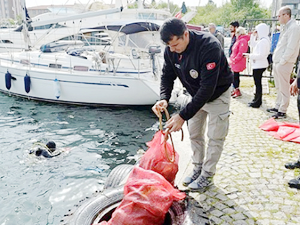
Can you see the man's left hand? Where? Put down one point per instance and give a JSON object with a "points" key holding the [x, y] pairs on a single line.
{"points": [[175, 123], [293, 88]]}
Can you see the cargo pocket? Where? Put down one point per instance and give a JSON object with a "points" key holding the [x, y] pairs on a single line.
{"points": [[218, 128]]}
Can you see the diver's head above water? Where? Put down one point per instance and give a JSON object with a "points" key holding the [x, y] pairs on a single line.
{"points": [[48, 150]]}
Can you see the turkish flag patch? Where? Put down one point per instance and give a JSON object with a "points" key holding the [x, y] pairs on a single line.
{"points": [[210, 66]]}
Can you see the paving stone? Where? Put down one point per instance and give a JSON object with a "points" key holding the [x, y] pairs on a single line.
{"points": [[229, 211], [296, 219], [216, 213], [266, 214], [229, 203], [279, 215], [233, 196], [272, 207], [289, 208], [276, 199], [277, 222], [221, 196], [251, 222], [216, 220], [227, 219], [238, 216], [240, 222], [256, 207], [220, 206], [265, 222], [225, 223]]}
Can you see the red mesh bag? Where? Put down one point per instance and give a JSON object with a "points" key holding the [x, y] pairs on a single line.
{"points": [[161, 157], [147, 198], [270, 125]]}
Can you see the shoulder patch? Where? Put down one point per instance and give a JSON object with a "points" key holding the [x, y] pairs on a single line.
{"points": [[210, 66]]}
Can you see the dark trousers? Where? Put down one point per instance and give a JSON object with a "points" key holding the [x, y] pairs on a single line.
{"points": [[257, 76], [236, 79]]}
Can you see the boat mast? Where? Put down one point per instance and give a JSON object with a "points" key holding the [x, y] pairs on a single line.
{"points": [[25, 26]]}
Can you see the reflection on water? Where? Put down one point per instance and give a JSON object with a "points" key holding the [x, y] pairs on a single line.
{"points": [[40, 191]]}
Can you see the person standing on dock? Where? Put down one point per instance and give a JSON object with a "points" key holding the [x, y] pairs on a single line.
{"points": [[198, 60], [260, 43], [232, 27], [295, 90], [237, 61], [213, 30], [284, 58]]}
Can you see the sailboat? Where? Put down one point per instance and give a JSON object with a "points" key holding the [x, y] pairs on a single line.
{"points": [[119, 73]]}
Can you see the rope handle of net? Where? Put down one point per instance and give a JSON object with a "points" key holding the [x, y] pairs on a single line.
{"points": [[167, 134]]}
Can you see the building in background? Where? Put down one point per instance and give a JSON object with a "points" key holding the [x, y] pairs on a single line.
{"points": [[294, 5], [76, 8], [10, 9]]}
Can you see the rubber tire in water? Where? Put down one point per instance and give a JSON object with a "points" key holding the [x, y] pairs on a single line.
{"points": [[102, 204], [117, 175]]}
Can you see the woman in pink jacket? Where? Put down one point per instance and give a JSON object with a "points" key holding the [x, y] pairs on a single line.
{"points": [[237, 60]]}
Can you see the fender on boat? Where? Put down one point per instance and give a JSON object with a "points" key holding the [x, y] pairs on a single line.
{"points": [[56, 88], [27, 83], [8, 80]]}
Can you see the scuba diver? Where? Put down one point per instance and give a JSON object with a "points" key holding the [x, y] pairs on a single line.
{"points": [[48, 150]]}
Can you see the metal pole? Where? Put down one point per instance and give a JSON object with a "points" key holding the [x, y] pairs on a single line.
{"points": [[25, 26]]}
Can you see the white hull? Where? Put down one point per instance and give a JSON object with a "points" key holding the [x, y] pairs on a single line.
{"points": [[93, 87]]}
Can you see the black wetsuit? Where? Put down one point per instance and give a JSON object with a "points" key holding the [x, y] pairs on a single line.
{"points": [[42, 152]]}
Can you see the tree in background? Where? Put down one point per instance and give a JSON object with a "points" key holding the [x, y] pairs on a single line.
{"points": [[230, 11], [173, 7]]}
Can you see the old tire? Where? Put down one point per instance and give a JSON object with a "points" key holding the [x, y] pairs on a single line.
{"points": [[117, 176], [101, 206]]}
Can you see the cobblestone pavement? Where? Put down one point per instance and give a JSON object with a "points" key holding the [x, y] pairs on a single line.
{"points": [[250, 186]]}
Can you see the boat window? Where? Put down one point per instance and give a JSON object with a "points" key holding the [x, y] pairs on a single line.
{"points": [[59, 26], [6, 41], [25, 61], [48, 26], [69, 38], [148, 16], [53, 65], [81, 68]]}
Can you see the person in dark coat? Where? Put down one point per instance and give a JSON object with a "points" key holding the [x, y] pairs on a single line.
{"points": [[198, 60], [294, 89], [232, 27]]}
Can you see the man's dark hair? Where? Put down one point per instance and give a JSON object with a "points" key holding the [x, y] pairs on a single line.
{"points": [[172, 27], [235, 24]]}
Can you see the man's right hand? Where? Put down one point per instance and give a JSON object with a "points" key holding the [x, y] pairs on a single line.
{"points": [[159, 107]]}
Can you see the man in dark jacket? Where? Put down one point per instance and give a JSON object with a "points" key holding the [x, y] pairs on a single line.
{"points": [[233, 26], [198, 60], [294, 89]]}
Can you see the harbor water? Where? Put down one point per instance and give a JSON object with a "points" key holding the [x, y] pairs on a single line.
{"points": [[93, 140]]}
